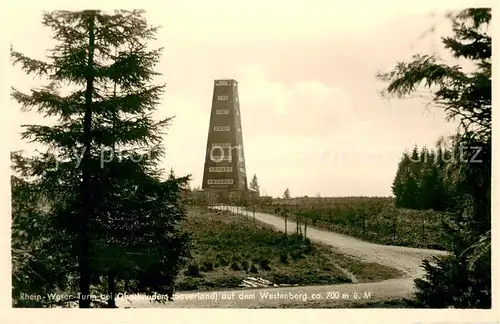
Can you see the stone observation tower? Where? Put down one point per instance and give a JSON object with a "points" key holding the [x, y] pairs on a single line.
{"points": [[224, 171]]}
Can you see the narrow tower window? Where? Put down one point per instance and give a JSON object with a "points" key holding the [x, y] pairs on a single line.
{"points": [[222, 128]]}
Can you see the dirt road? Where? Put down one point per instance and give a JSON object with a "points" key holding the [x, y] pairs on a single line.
{"points": [[406, 259]]}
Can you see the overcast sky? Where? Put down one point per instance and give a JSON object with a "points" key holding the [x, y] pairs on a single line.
{"points": [[313, 119]]}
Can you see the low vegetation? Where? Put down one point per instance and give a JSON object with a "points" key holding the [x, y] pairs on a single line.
{"points": [[374, 219], [227, 248]]}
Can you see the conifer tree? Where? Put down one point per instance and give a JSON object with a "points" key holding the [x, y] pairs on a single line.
{"points": [[36, 269], [286, 194], [434, 187], [254, 184], [428, 180], [399, 182], [108, 204], [463, 279]]}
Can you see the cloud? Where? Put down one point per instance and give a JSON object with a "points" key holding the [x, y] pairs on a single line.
{"points": [[307, 108]]}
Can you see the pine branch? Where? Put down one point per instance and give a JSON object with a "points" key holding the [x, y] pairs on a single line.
{"points": [[30, 66], [49, 102]]}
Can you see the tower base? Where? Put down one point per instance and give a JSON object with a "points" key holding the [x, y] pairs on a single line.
{"points": [[239, 197]]}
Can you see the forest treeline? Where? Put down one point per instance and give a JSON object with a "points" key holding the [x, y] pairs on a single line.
{"points": [[424, 178]]}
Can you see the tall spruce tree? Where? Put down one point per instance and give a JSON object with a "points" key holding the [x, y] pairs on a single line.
{"points": [[108, 204], [428, 180], [399, 182], [405, 185], [462, 280]]}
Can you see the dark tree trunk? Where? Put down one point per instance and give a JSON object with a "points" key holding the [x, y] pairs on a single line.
{"points": [[111, 289], [84, 266]]}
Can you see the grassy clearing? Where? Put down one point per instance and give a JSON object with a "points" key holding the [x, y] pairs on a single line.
{"points": [[228, 247], [373, 219]]}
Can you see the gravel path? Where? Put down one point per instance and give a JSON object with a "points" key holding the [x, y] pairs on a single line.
{"points": [[405, 259]]}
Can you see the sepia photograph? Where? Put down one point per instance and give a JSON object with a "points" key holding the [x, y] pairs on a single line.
{"points": [[307, 155]]}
